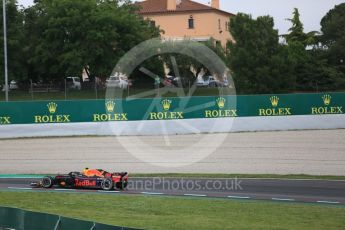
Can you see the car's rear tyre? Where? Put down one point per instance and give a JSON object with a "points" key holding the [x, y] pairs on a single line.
{"points": [[121, 185], [47, 182], [107, 184]]}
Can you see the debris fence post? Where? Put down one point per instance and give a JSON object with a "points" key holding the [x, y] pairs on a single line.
{"points": [[96, 92], [65, 89], [31, 90], [5, 48]]}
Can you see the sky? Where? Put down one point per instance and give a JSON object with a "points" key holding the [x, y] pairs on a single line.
{"points": [[311, 11]]}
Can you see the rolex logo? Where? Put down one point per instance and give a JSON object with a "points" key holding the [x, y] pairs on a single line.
{"points": [[52, 118], [110, 115], [110, 106], [274, 101], [275, 111], [327, 99], [327, 108], [221, 102], [166, 104], [166, 114], [52, 107]]}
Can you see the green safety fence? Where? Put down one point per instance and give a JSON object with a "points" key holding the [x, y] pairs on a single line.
{"points": [[170, 108], [18, 219]]}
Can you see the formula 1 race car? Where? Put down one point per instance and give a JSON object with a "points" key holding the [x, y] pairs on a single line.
{"points": [[99, 180]]}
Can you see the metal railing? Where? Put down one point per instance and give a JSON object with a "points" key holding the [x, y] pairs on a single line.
{"points": [[18, 219]]}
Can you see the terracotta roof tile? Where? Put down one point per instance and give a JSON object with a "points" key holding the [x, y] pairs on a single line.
{"points": [[152, 6], [160, 6]]}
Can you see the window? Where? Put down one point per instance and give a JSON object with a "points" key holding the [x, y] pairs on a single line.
{"points": [[219, 26], [227, 24], [191, 22]]}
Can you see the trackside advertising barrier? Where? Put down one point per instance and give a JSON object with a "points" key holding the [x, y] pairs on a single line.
{"points": [[39, 112], [12, 218], [196, 111]]}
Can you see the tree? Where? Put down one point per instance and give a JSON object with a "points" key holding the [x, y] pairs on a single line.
{"points": [[15, 38], [297, 42], [333, 36], [259, 63], [72, 35], [297, 31], [311, 68]]}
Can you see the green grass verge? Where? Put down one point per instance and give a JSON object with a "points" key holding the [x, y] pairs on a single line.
{"points": [[149, 212], [242, 176]]}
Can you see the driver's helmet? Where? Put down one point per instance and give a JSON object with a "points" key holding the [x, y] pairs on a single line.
{"points": [[85, 170]]}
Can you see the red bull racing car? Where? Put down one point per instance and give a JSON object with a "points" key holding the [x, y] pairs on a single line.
{"points": [[89, 178]]}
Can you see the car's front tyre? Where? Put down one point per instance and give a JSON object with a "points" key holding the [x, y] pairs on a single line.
{"points": [[107, 184], [47, 182]]}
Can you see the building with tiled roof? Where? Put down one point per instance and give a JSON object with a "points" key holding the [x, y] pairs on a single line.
{"points": [[180, 19]]}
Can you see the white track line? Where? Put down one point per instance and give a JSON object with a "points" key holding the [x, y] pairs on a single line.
{"points": [[19, 188], [327, 202], [108, 191], [196, 195], [239, 197], [283, 199], [152, 193]]}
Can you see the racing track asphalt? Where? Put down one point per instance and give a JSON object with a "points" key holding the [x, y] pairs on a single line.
{"points": [[280, 190]]}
